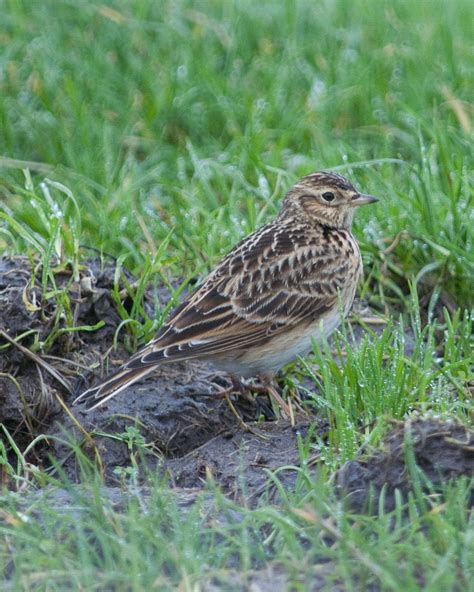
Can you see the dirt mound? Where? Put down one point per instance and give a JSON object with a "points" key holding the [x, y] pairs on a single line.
{"points": [[173, 419], [423, 453], [36, 311], [240, 461]]}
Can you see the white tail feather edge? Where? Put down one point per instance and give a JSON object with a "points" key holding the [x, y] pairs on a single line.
{"points": [[101, 392]]}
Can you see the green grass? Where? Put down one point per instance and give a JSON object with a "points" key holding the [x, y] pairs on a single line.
{"points": [[359, 387], [161, 133], [149, 540], [191, 118]]}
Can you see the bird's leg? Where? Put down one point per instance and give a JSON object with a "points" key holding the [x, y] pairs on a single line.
{"points": [[239, 388], [269, 387], [242, 387], [222, 380], [235, 386]]}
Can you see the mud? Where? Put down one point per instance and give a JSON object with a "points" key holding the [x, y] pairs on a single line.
{"points": [[425, 453], [28, 390], [187, 436], [240, 461], [175, 422]]}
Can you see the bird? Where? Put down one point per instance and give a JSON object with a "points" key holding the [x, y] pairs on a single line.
{"points": [[290, 281]]}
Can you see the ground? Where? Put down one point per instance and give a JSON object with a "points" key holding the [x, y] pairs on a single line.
{"points": [[139, 142], [176, 417], [175, 425], [188, 428]]}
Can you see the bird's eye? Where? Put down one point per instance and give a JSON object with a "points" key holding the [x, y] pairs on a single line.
{"points": [[328, 196]]}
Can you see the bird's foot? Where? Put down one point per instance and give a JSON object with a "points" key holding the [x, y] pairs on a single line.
{"points": [[243, 387], [272, 390]]}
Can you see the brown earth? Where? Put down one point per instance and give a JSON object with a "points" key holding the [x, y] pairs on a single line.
{"points": [[421, 453], [174, 420]]}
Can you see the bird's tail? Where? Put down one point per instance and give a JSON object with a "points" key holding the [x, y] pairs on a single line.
{"points": [[111, 386]]}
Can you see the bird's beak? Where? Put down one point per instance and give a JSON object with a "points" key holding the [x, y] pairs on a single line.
{"points": [[362, 199]]}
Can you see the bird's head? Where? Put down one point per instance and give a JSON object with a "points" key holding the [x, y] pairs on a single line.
{"points": [[325, 198]]}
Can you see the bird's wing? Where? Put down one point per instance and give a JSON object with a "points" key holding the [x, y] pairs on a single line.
{"points": [[271, 281]]}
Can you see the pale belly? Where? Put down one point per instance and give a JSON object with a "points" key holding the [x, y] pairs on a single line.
{"points": [[280, 350]]}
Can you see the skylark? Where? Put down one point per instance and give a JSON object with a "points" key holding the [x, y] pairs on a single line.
{"points": [[279, 288]]}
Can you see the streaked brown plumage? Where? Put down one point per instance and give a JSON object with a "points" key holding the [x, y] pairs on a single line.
{"points": [[281, 286]]}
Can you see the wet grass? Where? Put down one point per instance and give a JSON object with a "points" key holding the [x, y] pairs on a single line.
{"points": [[153, 540], [394, 374], [197, 120], [162, 132]]}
